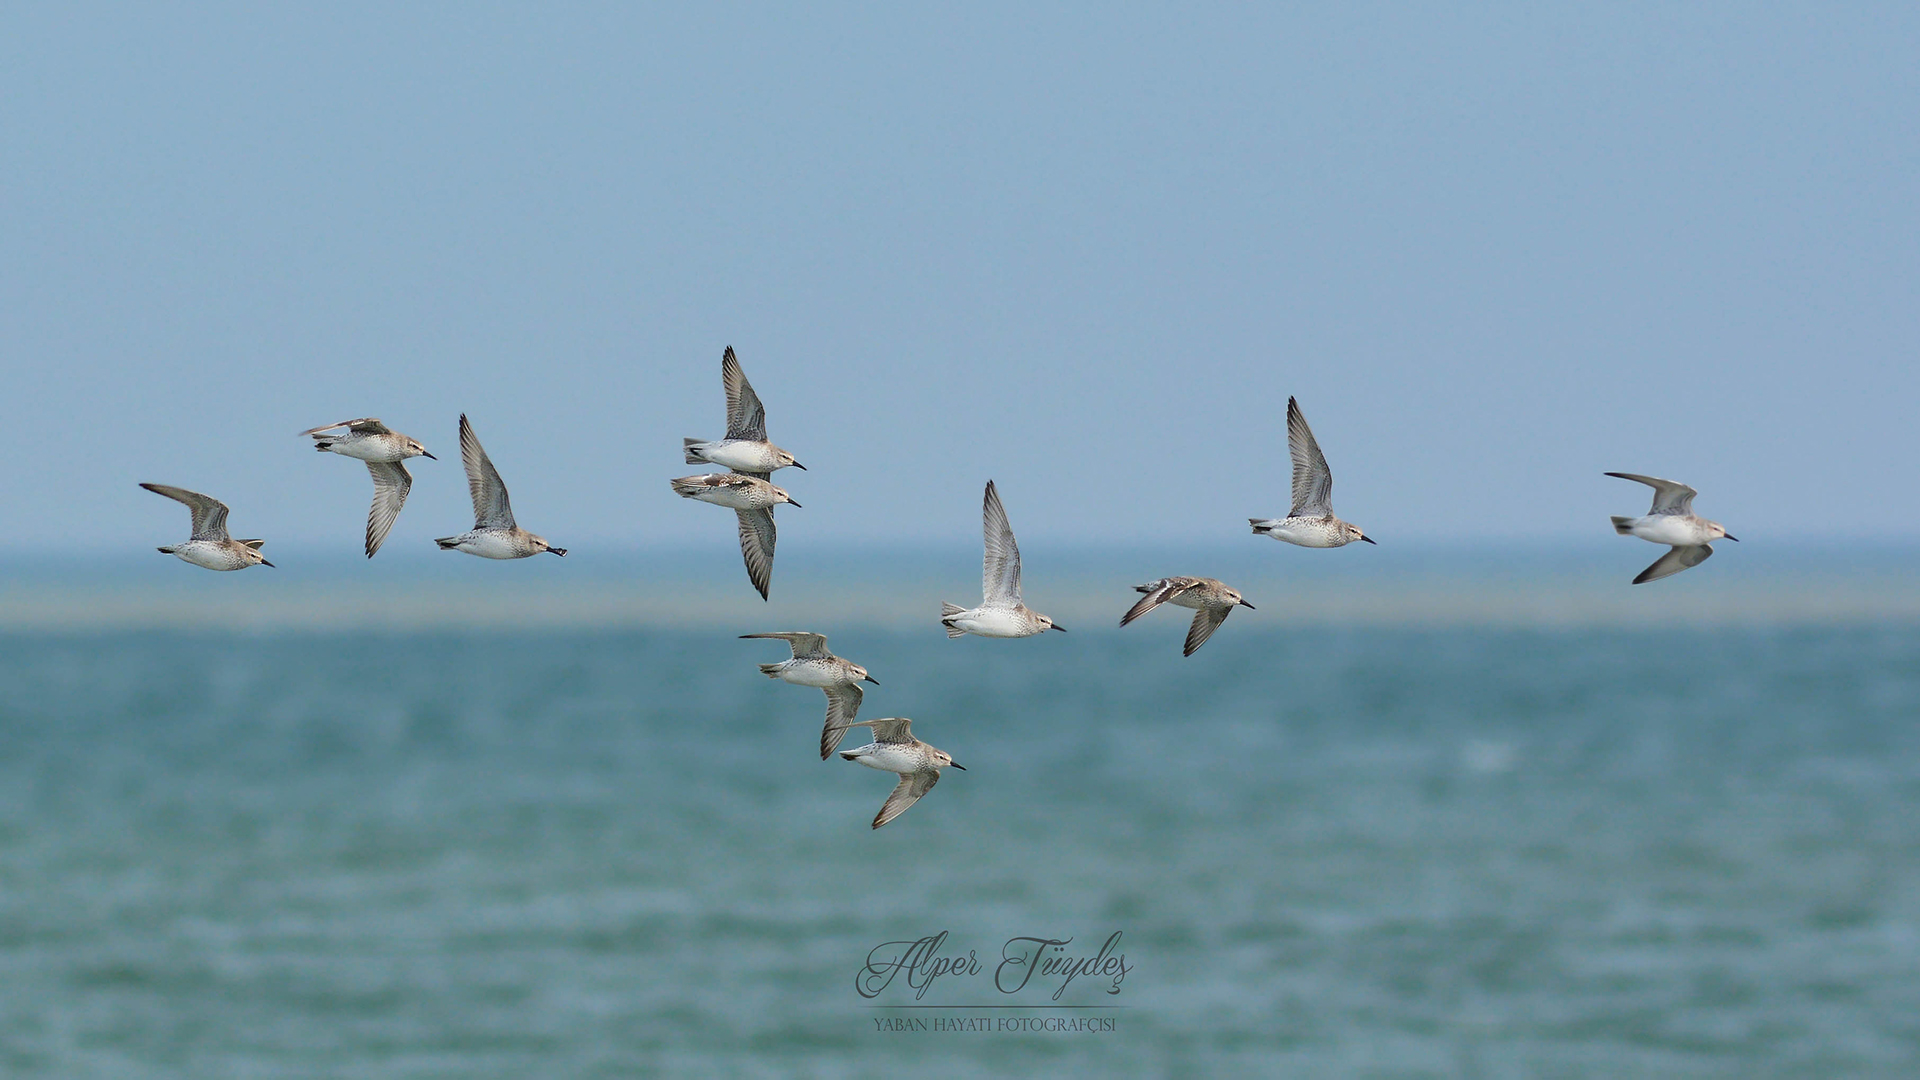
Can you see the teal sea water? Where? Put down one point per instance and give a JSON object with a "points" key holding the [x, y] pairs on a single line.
{"points": [[1329, 851]]}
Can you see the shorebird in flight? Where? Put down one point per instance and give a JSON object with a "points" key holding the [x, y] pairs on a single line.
{"points": [[1672, 522], [752, 500], [494, 534], [895, 750], [745, 449], [385, 451], [1001, 612], [1311, 522], [1211, 600], [209, 545], [813, 665]]}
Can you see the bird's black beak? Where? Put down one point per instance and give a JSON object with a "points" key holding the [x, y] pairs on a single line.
{"points": [[1057, 626], [1368, 539], [1248, 606], [793, 504], [799, 466], [1733, 538], [871, 679], [264, 562], [957, 765], [428, 456], [558, 551]]}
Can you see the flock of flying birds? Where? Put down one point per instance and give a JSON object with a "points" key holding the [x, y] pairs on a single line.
{"points": [[747, 489]]}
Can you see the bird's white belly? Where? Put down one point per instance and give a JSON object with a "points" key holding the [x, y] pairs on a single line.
{"points": [[1668, 529], [993, 622], [732, 498], [491, 545], [739, 455], [212, 556], [888, 758], [1306, 533], [816, 675], [366, 450]]}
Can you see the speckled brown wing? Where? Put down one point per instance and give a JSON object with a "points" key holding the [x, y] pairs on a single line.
{"points": [[757, 538], [1205, 622], [843, 705], [906, 793], [1158, 592], [391, 482], [209, 513]]}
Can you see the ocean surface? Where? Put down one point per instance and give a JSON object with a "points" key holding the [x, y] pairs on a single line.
{"points": [[1329, 850], [1417, 815]]}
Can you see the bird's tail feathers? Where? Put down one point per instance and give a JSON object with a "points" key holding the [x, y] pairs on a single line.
{"points": [[1622, 525], [771, 671], [165, 551], [692, 457], [948, 611], [1259, 525], [448, 543]]}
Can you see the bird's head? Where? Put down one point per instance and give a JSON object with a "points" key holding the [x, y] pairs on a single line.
{"points": [[250, 549]]}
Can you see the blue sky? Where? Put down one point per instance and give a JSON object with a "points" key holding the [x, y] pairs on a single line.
{"points": [[1494, 252]]}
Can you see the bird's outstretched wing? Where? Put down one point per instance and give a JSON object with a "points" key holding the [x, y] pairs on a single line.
{"points": [[1312, 480], [757, 537], [746, 417], [490, 507], [368, 425], [1669, 496], [391, 482], [209, 513], [843, 704], [805, 646], [1000, 570], [890, 729], [1679, 557], [907, 792], [1205, 622], [1158, 592]]}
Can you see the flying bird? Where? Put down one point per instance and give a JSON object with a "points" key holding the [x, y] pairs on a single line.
{"points": [[494, 534], [895, 750], [1001, 612], [385, 451], [745, 449], [1311, 522], [813, 665], [1211, 600], [209, 545], [752, 500], [1672, 522]]}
